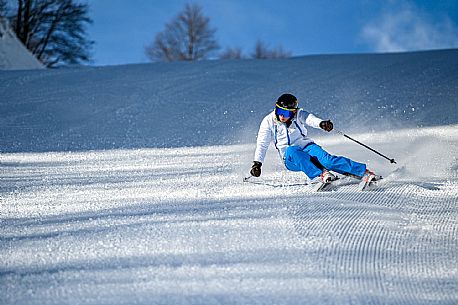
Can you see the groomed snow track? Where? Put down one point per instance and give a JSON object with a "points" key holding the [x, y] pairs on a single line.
{"points": [[397, 244], [179, 226]]}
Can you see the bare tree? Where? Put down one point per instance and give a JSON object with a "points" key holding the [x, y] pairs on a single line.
{"points": [[54, 30], [231, 53], [261, 51], [187, 37]]}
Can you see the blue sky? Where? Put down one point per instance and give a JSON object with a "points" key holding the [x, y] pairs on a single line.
{"points": [[122, 28]]}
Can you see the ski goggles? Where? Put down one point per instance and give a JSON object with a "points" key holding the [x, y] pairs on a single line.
{"points": [[287, 113]]}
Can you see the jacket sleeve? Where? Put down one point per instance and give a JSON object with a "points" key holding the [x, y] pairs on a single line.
{"points": [[263, 140], [310, 119]]}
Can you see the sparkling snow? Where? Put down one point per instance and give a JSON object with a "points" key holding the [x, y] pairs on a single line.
{"points": [[177, 225]]}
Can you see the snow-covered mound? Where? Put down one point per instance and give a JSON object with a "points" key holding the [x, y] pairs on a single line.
{"points": [[220, 102], [13, 54]]}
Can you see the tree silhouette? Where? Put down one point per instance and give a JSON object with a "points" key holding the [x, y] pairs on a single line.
{"points": [[187, 37], [261, 51], [53, 30], [232, 53]]}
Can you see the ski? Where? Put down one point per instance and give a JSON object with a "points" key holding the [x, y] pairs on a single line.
{"points": [[276, 183], [368, 183]]}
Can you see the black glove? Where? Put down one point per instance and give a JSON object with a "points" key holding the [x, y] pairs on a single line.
{"points": [[256, 169], [326, 125]]}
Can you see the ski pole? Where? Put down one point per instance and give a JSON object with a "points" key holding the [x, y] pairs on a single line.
{"points": [[362, 144], [245, 179]]}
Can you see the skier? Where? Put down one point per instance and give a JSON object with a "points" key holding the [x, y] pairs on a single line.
{"points": [[286, 127]]}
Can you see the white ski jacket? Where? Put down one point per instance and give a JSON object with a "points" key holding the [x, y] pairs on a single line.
{"points": [[272, 129]]}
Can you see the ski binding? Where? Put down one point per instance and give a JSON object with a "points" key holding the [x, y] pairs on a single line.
{"points": [[325, 186], [368, 184]]}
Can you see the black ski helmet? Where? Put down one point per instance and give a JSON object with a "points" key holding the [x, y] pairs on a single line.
{"points": [[287, 101]]}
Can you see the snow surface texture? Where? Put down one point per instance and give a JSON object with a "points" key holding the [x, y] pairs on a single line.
{"points": [[220, 102], [178, 225], [13, 54]]}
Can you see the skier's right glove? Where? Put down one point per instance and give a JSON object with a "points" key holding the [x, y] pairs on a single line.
{"points": [[256, 169], [326, 125]]}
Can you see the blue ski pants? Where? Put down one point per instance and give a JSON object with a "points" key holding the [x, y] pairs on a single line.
{"points": [[312, 160]]}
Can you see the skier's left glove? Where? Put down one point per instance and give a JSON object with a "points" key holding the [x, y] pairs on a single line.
{"points": [[326, 125], [256, 169]]}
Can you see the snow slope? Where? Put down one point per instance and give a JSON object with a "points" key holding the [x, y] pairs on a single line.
{"points": [[178, 226], [220, 102], [169, 220]]}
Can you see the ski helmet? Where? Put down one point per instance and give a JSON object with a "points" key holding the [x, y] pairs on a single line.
{"points": [[286, 106], [287, 101]]}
